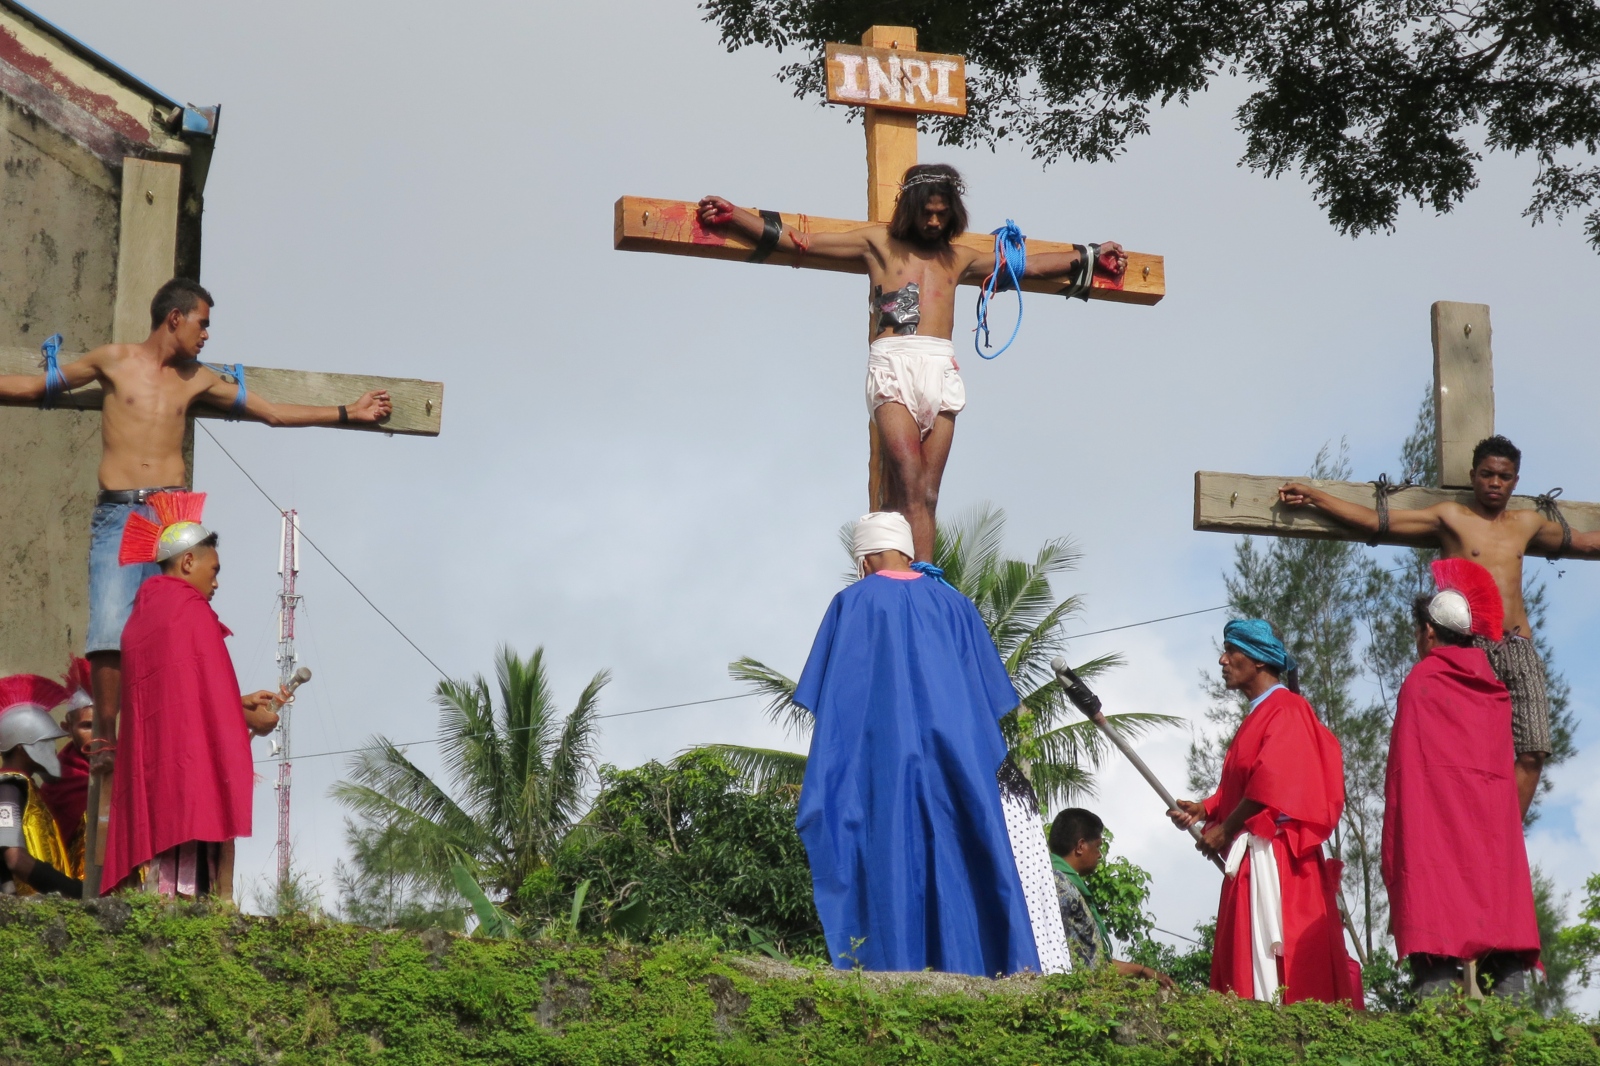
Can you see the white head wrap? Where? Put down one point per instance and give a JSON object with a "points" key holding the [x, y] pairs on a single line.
{"points": [[1449, 610], [881, 531]]}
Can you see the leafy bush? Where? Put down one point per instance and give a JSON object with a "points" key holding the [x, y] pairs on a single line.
{"points": [[686, 849]]}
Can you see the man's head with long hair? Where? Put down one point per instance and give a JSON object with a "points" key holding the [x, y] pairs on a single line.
{"points": [[929, 212]]}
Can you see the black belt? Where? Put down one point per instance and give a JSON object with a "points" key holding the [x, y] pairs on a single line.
{"points": [[133, 495]]}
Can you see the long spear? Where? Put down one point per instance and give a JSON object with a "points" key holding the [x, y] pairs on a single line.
{"points": [[1086, 701]]}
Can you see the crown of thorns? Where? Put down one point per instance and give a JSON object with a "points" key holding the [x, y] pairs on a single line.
{"points": [[934, 179]]}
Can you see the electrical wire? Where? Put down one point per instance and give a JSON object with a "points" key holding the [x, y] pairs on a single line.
{"points": [[304, 536]]}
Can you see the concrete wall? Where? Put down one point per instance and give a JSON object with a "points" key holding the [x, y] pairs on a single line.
{"points": [[67, 122], [58, 272]]}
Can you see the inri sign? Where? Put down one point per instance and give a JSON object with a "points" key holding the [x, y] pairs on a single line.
{"points": [[896, 80]]}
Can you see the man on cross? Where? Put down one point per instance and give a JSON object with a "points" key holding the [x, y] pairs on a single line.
{"points": [[1486, 532], [150, 388], [914, 388]]}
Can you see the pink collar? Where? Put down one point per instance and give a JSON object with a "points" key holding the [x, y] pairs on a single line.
{"points": [[899, 575]]}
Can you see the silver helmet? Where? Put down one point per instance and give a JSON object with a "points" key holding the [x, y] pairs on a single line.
{"points": [[30, 726]]}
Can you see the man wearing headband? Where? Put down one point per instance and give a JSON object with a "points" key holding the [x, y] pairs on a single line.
{"points": [[1280, 796], [900, 811], [182, 790], [150, 388], [1454, 859], [35, 859], [1489, 533], [914, 388]]}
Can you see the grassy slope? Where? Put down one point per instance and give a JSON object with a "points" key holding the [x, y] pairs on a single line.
{"points": [[139, 982]]}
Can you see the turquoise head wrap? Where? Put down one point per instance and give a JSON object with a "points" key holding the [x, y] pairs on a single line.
{"points": [[1254, 637]]}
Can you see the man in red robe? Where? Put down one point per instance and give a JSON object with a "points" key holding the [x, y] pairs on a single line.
{"points": [[1281, 794], [68, 795], [182, 789], [1454, 860]]}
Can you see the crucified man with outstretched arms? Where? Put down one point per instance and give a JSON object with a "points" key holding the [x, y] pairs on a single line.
{"points": [[1496, 538], [149, 389], [914, 387]]}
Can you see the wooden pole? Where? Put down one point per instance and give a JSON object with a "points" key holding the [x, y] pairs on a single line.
{"points": [[891, 150]]}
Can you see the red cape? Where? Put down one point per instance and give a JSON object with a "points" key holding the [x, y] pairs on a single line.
{"points": [[68, 796], [183, 768], [1453, 854], [1286, 759]]}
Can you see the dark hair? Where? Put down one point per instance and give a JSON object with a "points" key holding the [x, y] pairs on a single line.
{"points": [[906, 224], [180, 295], [1073, 826], [1500, 447], [1419, 615]]}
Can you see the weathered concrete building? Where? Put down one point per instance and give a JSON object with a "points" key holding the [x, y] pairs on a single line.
{"points": [[100, 202]]}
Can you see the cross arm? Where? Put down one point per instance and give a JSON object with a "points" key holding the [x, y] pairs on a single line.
{"points": [[673, 227], [1245, 503], [417, 404]]}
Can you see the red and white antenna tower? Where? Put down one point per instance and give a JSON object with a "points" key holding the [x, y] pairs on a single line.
{"points": [[288, 600]]}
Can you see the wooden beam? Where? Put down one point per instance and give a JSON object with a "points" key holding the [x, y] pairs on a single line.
{"points": [[417, 404], [1463, 387], [672, 227], [147, 243], [1244, 503]]}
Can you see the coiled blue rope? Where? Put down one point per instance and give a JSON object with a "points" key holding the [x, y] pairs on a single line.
{"points": [[1010, 257], [929, 570], [237, 370], [55, 382]]}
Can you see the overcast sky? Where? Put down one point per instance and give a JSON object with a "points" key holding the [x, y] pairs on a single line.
{"points": [[645, 459]]}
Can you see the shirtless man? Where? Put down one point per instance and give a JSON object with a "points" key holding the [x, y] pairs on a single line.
{"points": [[1496, 539], [149, 390], [914, 388]]}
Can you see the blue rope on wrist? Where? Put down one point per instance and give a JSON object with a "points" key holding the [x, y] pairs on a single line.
{"points": [[1010, 259], [929, 570], [236, 371], [55, 382]]}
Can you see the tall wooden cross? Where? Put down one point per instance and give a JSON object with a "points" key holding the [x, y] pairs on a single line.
{"points": [[1463, 392], [894, 83]]}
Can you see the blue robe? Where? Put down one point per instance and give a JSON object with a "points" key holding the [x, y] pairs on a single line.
{"points": [[900, 811]]}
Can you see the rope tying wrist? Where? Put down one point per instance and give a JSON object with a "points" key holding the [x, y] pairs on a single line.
{"points": [[1381, 489], [771, 232], [55, 382], [1010, 260], [1546, 504], [1082, 278], [100, 746], [344, 415]]}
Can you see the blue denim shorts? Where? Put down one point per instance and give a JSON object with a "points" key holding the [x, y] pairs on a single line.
{"points": [[112, 586]]}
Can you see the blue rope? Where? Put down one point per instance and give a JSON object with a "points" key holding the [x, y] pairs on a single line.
{"points": [[55, 382], [1010, 255], [929, 570], [237, 370]]}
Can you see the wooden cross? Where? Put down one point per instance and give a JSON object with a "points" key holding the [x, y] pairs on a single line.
{"points": [[1463, 392], [894, 83]]}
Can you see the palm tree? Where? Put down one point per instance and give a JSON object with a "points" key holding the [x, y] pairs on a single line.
{"points": [[519, 774], [1053, 745]]}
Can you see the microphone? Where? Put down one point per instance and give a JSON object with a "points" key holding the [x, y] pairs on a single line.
{"points": [[301, 676]]}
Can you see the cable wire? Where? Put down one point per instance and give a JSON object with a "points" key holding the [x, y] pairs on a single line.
{"points": [[306, 537]]}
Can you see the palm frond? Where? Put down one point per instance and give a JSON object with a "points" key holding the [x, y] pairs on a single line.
{"points": [[761, 767], [781, 708], [573, 760]]}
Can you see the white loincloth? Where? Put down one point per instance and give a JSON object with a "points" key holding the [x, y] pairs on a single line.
{"points": [[917, 372], [1038, 883], [1266, 910]]}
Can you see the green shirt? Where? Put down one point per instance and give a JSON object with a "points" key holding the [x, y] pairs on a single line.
{"points": [[1086, 931]]}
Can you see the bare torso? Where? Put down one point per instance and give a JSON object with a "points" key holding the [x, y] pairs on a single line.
{"points": [[936, 271], [1497, 544], [145, 415]]}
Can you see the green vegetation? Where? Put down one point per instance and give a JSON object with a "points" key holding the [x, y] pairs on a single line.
{"points": [[135, 982]]}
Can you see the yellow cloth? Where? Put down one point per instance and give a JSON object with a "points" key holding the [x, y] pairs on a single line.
{"points": [[39, 833]]}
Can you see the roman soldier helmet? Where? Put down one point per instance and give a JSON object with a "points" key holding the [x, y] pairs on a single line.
{"points": [[177, 530], [77, 683], [25, 703], [1469, 601]]}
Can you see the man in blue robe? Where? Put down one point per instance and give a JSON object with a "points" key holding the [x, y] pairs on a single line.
{"points": [[900, 811]]}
